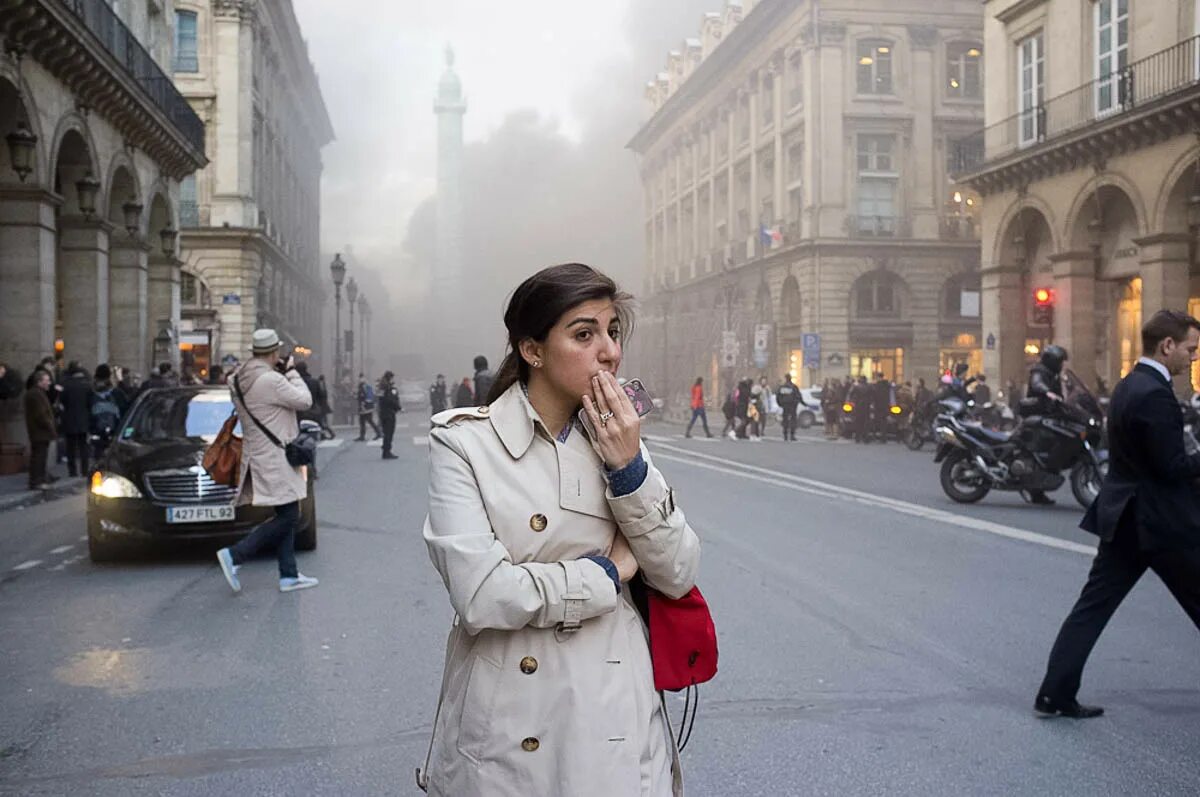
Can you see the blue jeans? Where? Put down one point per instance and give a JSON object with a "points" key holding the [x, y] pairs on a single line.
{"points": [[698, 412], [280, 532]]}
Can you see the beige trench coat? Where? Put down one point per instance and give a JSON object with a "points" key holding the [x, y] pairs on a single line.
{"points": [[266, 477], [548, 688]]}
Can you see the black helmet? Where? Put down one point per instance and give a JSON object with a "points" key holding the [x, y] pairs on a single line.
{"points": [[1053, 357]]}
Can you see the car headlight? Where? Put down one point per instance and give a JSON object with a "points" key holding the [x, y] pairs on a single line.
{"points": [[110, 485], [847, 407], [896, 410]]}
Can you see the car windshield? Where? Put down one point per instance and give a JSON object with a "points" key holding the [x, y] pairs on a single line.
{"points": [[179, 415]]}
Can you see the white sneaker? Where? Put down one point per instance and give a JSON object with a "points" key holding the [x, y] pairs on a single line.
{"points": [[229, 569], [301, 581]]}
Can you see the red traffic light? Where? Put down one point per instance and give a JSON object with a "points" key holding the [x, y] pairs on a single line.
{"points": [[1043, 297]]}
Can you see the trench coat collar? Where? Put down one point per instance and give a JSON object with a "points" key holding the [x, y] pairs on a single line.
{"points": [[514, 420]]}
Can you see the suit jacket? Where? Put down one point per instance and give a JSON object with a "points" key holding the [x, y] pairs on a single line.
{"points": [[1149, 467]]}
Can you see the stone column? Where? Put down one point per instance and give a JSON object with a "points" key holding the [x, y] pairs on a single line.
{"points": [[923, 207], [1074, 310], [128, 320], [27, 262], [163, 306], [730, 192], [777, 87], [1004, 319], [83, 280], [1166, 282]]}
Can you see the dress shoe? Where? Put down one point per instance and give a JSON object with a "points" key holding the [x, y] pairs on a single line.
{"points": [[360, 439], [1045, 706], [1041, 499], [390, 456]]}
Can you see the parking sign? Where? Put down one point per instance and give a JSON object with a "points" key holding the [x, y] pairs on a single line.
{"points": [[810, 342]]}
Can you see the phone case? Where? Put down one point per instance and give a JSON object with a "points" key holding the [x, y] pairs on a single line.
{"points": [[639, 397]]}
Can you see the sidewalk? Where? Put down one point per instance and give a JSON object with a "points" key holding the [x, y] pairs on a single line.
{"points": [[15, 492]]}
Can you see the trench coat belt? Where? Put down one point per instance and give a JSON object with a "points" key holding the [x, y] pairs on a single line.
{"points": [[573, 599]]}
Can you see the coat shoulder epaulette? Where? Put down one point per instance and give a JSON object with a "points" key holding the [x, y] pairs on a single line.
{"points": [[451, 417]]}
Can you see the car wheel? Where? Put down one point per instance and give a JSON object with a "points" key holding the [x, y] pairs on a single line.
{"points": [[806, 420], [101, 551]]}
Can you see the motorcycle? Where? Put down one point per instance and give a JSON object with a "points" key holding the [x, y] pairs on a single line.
{"points": [[976, 459]]}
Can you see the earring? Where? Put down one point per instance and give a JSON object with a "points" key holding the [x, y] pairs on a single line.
{"points": [[537, 363]]}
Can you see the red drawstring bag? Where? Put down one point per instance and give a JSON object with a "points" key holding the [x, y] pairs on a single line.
{"points": [[683, 638]]}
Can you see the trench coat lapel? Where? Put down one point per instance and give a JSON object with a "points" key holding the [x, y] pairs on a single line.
{"points": [[581, 484]]}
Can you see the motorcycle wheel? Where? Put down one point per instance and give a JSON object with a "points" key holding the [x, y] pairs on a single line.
{"points": [[1085, 482], [913, 439], [956, 486]]}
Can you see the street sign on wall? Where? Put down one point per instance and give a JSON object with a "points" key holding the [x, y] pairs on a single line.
{"points": [[810, 342], [729, 349], [762, 342]]}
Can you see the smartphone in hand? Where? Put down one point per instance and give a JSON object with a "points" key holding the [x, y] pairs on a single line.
{"points": [[638, 396]]}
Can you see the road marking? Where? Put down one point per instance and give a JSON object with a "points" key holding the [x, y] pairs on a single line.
{"points": [[330, 443], [827, 490], [61, 549], [421, 440], [27, 565]]}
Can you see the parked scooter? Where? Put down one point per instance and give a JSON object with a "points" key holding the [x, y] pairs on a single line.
{"points": [[976, 460]]}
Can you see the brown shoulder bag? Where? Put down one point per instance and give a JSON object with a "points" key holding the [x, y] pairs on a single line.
{"points": [[223, 457]]}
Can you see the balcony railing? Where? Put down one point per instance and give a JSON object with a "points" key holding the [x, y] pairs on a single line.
{"points": [[110, 31], [877, 226], [958, 227], [1142, 82]]}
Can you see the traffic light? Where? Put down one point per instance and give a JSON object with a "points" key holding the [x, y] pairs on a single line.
{"points": [[1043, 306]]}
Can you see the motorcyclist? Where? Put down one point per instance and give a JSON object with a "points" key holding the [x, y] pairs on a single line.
{"points": [[1044, 396]]}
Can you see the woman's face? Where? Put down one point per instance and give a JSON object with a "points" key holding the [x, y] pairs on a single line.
{"points": [[585, 341]]}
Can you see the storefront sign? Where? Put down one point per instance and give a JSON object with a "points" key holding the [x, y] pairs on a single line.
{"points": [[991, 342], [231, 298], [762, 342]]}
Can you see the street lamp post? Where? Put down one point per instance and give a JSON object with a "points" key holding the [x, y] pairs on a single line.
{"points": [[729, 293], [665, 299], [337, 270], [352, 299], [364, 364]]}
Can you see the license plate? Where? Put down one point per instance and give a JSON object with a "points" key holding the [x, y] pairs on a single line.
{"points": [[200, 514]]}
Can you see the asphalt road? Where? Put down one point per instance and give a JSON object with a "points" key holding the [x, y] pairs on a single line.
{"points": [[875, 639]]}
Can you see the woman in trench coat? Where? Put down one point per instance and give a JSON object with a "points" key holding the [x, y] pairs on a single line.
{"points": [[535, 526]]}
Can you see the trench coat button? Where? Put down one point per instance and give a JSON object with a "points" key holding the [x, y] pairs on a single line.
{"points": [[530, 745], [483, 410], [529, 665], [538, 522]]}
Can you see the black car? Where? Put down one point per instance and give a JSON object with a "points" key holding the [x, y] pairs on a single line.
{"points": [[149, 487]]}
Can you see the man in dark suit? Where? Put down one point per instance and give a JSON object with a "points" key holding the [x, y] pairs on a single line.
{"points": [[1147, 514]]}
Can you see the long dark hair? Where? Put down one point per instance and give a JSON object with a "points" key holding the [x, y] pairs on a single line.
{"points": [[538, 303]]}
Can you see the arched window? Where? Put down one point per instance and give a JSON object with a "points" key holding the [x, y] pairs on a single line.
{"points": [[960, 297], [791, 300], [877, 295], [964, 70], [874, 66]]}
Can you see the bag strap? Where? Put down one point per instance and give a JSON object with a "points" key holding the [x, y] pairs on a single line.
{"points": [[242, 399]]}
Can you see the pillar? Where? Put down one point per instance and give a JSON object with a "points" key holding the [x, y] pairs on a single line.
{"points": [[923, 204], [163, 306], [129, 328], [27, 261], [83, 280], [1166, 282], [1075, 309], [1003, 323]]}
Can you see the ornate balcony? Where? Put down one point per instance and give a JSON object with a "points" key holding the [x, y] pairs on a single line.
{"points": [[1147, 101], [86, 46]]}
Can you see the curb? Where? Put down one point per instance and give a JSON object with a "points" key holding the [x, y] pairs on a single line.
{"points": [[34, 497]]}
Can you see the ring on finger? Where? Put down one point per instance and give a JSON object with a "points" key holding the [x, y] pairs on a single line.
{"points": [[605, 416]]}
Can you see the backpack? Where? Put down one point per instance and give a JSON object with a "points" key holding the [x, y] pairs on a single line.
{"points": [[368, 396], [105, 412]]}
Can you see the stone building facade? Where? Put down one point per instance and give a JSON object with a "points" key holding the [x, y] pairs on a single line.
{"points": [[1089, 167], [250, 221], [96, 141], [795, 169]]}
